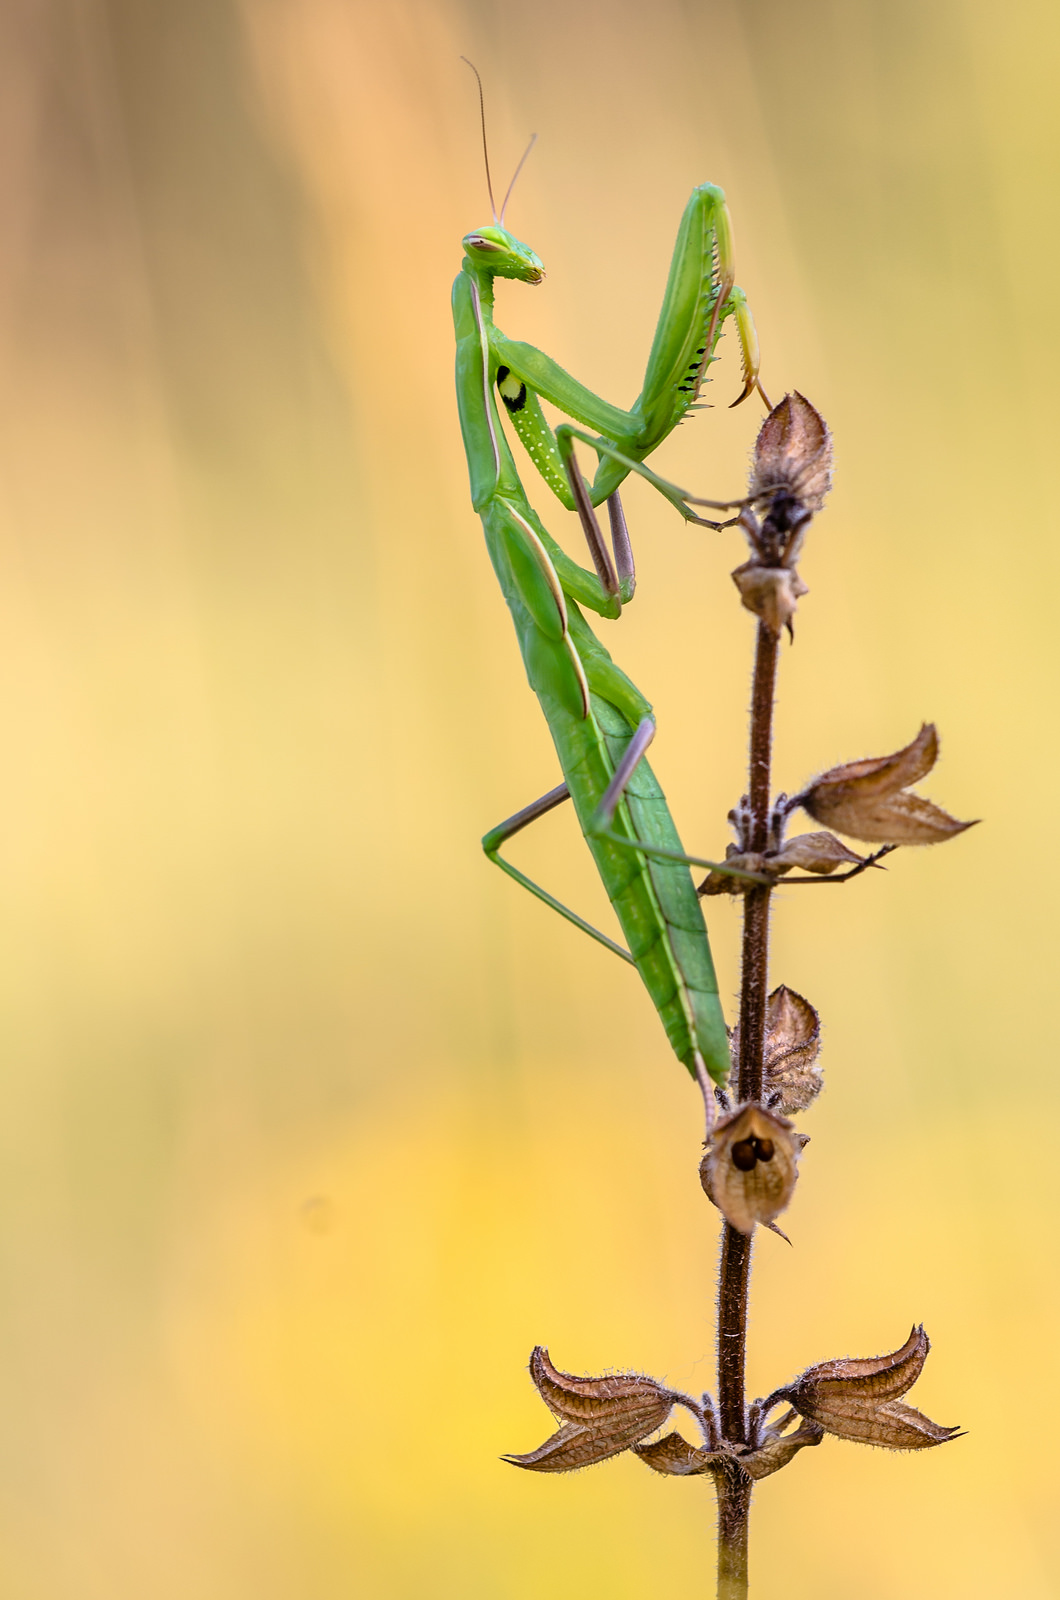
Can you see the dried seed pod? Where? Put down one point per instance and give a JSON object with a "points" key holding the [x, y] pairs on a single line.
{"points": [[772, 593], [858, 1398], [586, 1399], [750, 1168], [601, 1416], [867, 799]]}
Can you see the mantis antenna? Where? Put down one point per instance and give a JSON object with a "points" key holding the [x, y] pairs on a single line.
{"points": [[485, 146], [519, 168], [486, 154]]}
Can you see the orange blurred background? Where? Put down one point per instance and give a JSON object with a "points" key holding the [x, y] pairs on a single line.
{"points": [[312, 1125]]}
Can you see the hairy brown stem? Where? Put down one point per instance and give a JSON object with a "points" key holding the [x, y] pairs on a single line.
{"points": [[732, 1332], [734, 1503], [734, 1489]]}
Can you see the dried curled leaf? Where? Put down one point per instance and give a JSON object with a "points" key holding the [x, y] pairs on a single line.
{"points": [[779, 1449], [750, 1168], [601, 1416], [772, 593], [867, 799], [858, 1399], [673, 1456], [721, 882], [820, 853], [793, 451]]}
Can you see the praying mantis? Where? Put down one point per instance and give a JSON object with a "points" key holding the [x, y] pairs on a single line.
{"points": [[600, 722]]}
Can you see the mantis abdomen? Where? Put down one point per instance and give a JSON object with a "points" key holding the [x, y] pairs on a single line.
{"points": [[592, 710]]}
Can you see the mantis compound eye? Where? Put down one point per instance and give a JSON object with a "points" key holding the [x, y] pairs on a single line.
{"points": [[477, 242]]}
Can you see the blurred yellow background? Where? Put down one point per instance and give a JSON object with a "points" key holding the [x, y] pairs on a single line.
{"points": [[311, 1124]]}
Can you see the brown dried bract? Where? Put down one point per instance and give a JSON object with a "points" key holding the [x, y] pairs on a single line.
{"points": [[858, 1399], [793, 1080], [750, 1168], [867, 799], [601, 1416]]}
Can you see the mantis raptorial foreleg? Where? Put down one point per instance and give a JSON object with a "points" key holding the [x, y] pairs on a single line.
{"points": [[681, 499], [700, 296]]}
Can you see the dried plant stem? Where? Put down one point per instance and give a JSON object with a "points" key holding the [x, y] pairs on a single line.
{"points": [[734, 1489]]}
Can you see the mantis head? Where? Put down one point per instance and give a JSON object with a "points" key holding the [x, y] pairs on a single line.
{"points": [[502, 255]]}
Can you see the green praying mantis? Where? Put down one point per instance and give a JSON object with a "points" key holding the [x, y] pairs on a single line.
{"points": [[600, 722]]}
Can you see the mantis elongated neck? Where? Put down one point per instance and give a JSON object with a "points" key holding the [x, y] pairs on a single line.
{"points": [[484, 285]]}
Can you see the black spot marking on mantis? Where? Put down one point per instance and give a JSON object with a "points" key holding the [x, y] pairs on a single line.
{"points": [[689, 385], [511, 390]]}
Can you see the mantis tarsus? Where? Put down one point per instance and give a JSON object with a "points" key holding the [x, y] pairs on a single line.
{"points": [[600, 722]]}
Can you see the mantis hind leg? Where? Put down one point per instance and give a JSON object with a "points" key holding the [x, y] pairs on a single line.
{"points": [[497, 837], [618, 702], [607, 683]]}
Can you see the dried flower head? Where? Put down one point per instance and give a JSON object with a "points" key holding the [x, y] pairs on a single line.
{"points": [[750, 1167], [600, 1416], [868, 800], [858, 1399], [793, 454], [791, 473]]}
